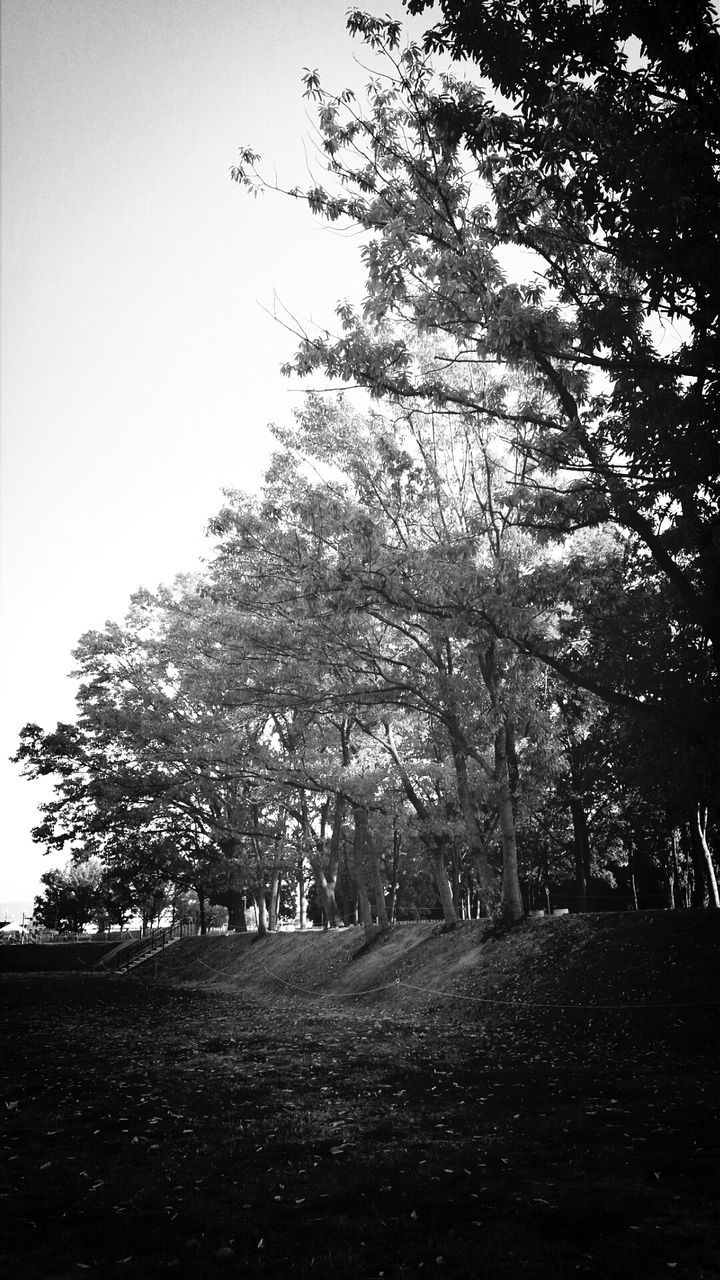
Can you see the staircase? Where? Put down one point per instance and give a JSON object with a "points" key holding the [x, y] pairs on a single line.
{"points": [[128, 955]]}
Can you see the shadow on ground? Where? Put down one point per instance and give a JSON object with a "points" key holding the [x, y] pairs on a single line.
{"points": [[154, 1130]]}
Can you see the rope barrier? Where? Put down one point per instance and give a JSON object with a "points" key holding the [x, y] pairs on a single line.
{"points": [[455, 995], [512, 1004], [337, 995], [310, 991]]}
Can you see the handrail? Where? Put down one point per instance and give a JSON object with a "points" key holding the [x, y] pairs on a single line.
{"points": [[117, 950], [120, 959]]}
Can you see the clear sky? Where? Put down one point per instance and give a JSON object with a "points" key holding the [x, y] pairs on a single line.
{"points": [[139, 367]]}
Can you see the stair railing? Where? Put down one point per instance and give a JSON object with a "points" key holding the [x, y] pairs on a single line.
{"points": [[124, 956]]}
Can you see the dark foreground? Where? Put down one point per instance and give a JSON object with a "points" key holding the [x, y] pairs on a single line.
{"points": [[154, 1132]]}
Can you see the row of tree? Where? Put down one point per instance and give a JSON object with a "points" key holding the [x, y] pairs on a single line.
{"points": [[463, 645], [86, 892]]}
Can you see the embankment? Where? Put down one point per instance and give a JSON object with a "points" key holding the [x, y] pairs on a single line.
{"points": [[649, 973]]}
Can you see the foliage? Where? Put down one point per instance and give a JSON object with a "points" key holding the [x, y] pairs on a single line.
{"points": [[462, 646], [72, 898], [522, 237]]}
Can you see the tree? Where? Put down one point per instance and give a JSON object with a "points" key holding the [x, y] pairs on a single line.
{"points": [[607, 167], [71, 898], [545, 231], [149, 775], [448, 185], [393, 550]]}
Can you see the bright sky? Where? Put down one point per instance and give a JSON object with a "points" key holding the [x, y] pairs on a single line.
{"points": [[139, 368]]}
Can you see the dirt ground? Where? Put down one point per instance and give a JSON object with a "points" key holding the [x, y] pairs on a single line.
{"points": [[248, 1126]]}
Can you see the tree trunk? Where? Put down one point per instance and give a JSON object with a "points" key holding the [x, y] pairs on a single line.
{"points": [[671, 873], [349, 895], [697, 858], [709, 869], [477, 842], [234, 900], [395, 868], [203, 918], [512, 908], [442, 884], [261, 912], [274, 897], [437, 857], [456, 879], [377, 879], [335, 843], [512, 904], [631, 870], [326, 881], [300, 891], [359, 847], [582, 850], [326, 892]]}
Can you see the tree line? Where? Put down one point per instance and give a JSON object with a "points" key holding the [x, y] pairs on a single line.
{"points": [[461, 649]]}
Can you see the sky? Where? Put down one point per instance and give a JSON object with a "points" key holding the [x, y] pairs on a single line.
{"points": [[140, 361]]}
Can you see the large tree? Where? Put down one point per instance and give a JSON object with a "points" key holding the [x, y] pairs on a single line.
{"points": [[71, 898], [608, 167], [560, 231], [395, 552]]}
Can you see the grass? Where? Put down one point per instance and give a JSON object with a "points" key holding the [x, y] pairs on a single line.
{"points": [[156, 1131]]}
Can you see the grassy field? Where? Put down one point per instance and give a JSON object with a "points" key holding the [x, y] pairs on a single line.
{"points": [[154, 1128]]}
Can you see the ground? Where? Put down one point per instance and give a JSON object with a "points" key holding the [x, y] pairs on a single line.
{"points": [[542, 1102]]}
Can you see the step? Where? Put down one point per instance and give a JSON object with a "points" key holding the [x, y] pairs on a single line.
{"points": [[148, 954]]}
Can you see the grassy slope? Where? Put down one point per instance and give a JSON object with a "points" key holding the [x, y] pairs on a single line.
{"points": [[221, 1121], [636, 947], [649, 971]]}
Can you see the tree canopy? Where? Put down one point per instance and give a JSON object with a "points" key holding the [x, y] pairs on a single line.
{"points": [[462, 648]]}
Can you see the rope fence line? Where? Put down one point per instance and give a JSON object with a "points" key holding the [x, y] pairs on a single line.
{"points": [[223, 973], [515, 1004], [512, 1004], [455, 995], [339, 995], [310, 991]]}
